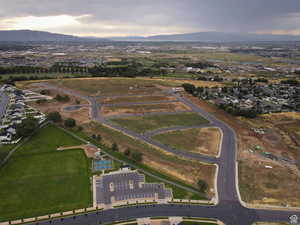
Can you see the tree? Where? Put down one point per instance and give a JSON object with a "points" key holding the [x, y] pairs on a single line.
{"points": [[70, 122], [27, 127], [190, 88], [127, 152], [97, 137], [137, 156], [41, 101], [202, 186], [45, 92], [54, 117], [60, 98], [115, 147]]}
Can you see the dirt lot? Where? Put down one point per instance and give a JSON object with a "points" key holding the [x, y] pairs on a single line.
{"points": [[262, 185], [198, 140], [141, 98], [81, 115], [185, 170], [278, 185], [140, 109], [114, 86]]}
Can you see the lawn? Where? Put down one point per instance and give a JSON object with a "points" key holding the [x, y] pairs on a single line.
{"points": [[148, 123], [113, 86], [4, 150], [197, 140], [39, 180]]}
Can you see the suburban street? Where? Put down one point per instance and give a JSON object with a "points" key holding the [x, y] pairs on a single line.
{"points": [[229, 208]]}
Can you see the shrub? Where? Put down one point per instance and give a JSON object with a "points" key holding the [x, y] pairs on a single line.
{"points": [[70, 122], [115, 147], [54, 117], [137, 156], [202, 186]]}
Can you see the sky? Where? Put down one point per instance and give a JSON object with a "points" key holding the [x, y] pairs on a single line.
{"points": [[106, 18]]}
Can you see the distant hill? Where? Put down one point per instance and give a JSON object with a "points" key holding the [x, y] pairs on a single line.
{"points": [[213, 37], [40, 36]]}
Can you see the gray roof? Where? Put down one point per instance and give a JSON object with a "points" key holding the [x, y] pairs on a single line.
{"points": [[122, 190]]}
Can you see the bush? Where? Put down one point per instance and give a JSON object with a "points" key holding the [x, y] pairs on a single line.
{"points": [[97, 137], [70, 122], [137, 156], [41, 101], [62, 98], [54, 117], [115, 147], [45, 92], [202, 186], [27, 127], [127, 152]]}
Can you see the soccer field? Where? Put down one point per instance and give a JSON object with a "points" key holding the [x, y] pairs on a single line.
{"points": [[38, 179]]}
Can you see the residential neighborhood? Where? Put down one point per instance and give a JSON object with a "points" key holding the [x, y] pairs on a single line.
{"points": [[248, 98], [14, 111]]}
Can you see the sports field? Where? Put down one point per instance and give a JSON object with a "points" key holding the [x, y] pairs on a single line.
{"points": [[38, 179], [148, 123]]}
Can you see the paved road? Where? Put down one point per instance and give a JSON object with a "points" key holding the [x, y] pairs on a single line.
{"points": [[229, 209], [4, 99]]}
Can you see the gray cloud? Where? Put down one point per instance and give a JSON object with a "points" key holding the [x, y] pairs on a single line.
{"points": [[132, 17]]}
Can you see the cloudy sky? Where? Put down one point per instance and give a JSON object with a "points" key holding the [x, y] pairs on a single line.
{"points": [[104, 18]]}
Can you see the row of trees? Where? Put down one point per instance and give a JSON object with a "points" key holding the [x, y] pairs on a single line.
{"points": [[38, 70], [123, 71]]}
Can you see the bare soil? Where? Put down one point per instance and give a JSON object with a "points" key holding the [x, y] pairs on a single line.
{"points": [[141, 109]]}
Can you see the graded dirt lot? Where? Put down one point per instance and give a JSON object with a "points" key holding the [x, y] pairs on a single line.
{"points": [[149, 123], [145, 108], [113, 86], [187, 171], [273, 186], [198, 140], [81, 115], [256, 183], [140, 98]]}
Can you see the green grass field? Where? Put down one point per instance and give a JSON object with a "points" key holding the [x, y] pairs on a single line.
{"points": [[38, 180], [148, 123], [4, 150]]}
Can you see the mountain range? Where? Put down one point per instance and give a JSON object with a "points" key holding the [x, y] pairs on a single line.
{"points": [[40, 36]]}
